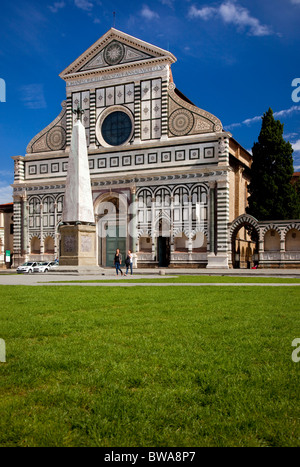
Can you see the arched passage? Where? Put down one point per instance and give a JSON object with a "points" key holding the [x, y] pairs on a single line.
{"points": [[244, 238]]}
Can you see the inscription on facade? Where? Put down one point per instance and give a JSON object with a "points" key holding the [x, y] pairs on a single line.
{"points": [[116, 75]]}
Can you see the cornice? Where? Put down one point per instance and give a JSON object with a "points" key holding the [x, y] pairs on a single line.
{"points": [[161, 174], [45, 155]]}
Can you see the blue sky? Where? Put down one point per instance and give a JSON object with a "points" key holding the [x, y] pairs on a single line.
{"points": [[235, 59]]}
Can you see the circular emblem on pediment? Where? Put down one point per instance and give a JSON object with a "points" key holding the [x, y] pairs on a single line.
{"points": [[181, 122], [56, 138], [114, 53]]}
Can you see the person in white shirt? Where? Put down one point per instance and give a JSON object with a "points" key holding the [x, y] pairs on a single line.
{"points": [[128, 262]]}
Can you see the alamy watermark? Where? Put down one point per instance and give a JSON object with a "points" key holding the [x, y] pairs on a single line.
{"points": [[296, 92], [2, 351], [296, 352], [2, 90], [157, 218]]}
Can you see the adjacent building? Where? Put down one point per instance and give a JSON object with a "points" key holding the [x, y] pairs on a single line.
{"points": [[6, 235]]}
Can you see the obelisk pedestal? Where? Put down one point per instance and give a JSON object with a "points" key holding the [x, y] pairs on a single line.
{"points": [[78, 245]]}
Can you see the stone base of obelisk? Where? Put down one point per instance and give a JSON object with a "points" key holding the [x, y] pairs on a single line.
{"points": [[78, 249]]}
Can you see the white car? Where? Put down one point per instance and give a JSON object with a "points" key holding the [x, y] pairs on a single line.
{"points": [[45, 266], [26, 268]]}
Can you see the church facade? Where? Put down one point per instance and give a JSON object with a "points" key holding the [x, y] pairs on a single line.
{"points": [[167, 181]]}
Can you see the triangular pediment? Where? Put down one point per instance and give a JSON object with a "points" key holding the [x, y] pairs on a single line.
{"points": [[116, 49], [115, 53]]}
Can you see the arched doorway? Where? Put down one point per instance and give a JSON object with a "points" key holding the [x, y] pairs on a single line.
{"points": [[49, 246], [35, 246], [163, 242], [292, 240], [112, 222], [244, 239]]}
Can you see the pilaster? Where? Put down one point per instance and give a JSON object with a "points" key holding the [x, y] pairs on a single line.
{"points": [[137, 112], [69, 121], [164, 110], [92, 119], [218, 258], [17, 242], [223, 151]]}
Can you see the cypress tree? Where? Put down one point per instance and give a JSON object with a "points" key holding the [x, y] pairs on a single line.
{"points": [[272, 196]]}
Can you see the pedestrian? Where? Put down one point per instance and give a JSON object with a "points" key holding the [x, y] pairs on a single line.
{"points": [[128, 262], [118, 262]]}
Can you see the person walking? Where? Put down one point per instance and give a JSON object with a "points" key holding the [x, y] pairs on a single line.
{"points": [[128, 262], [118, 262]]}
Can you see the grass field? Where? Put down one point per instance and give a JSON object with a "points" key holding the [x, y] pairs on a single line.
{"points": [[149, 366], [187, 279]]}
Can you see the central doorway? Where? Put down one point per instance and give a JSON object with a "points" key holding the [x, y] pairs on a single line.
{"points": [[115, 239], [112, 227], [163, 242], [163, 251]]}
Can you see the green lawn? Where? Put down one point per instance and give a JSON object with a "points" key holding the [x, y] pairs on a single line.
{"points": [[185, 367], [186, 279]]}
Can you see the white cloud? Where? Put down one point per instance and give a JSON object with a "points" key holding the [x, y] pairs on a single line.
{"points": [[248, 122], [279, 114], [169, 3], [6, 193], [84, 5], [296, 146], [295, 2], [56, 6], [33, 96], [287, 112], [148, 14], [232, 13], [6, 173], [205, 12], [290, 135]]}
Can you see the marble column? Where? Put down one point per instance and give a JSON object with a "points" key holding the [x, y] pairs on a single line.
{"points": [[133, 225]]}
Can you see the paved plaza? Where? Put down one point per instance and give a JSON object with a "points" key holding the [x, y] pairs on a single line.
{"points": [[10, 277]]}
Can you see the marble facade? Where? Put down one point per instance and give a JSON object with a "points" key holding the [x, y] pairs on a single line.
{"points": [[167, 180]]}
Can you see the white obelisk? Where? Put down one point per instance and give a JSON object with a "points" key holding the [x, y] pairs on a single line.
{"points": [[78, 201], [78, 230]]}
